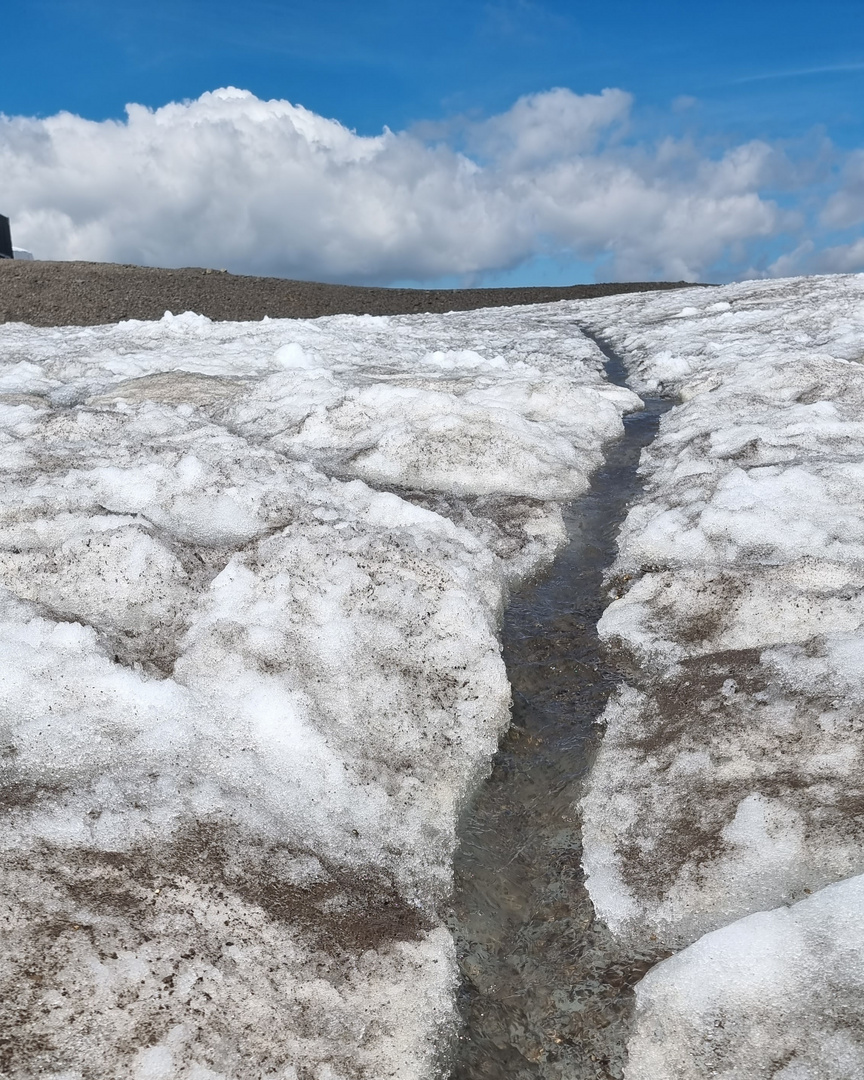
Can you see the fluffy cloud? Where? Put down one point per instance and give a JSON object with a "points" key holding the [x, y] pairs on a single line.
{"points": [[270, 187], [842, 259], [846, 206], [807, 259]]}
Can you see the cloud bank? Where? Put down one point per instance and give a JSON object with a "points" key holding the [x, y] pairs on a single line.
{"points": [[270, 187]]}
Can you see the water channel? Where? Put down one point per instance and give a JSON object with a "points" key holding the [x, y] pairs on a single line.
{"points": [[546, 993]]}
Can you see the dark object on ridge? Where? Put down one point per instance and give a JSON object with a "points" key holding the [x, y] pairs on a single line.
{"points": [[5, 239]]}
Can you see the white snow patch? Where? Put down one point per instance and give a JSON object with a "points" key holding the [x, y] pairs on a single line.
{"points": [[774, 994]]}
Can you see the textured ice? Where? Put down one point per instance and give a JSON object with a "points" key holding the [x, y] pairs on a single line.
{"points": [[731, 776], [250, 583]]}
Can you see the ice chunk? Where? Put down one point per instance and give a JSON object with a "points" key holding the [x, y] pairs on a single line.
{"points": [[777, 994]]}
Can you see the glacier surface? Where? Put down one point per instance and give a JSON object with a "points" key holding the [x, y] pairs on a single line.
{"points": [[250, 583], [251, 578], [728, 796]]}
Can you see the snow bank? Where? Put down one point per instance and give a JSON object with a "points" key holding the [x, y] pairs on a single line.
{"points": [[731, 776], [392, 401], [775, 995], [244, 690]]}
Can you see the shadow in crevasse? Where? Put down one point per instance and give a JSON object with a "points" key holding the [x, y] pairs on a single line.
{"points": [[546, 992]]}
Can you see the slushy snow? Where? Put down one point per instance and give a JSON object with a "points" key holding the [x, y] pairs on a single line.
{"points": [[730, 783], [250, 584]]}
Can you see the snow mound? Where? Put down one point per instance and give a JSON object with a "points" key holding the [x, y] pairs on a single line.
{"points": [[730, 776], [244, 690], [772, 995], [392, 401]]}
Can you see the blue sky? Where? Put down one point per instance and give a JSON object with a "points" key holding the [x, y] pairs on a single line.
{"points": [[719, 75]]}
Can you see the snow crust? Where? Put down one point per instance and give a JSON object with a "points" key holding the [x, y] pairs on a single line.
{"points": [[730, 776], [250, 583]]}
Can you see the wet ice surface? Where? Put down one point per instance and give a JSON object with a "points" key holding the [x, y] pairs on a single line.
{"points": [[729, 781], [246, 688]]}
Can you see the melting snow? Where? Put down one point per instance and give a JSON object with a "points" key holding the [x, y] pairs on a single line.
{"points": [[731, 776], [776, 994], [250, 582]]}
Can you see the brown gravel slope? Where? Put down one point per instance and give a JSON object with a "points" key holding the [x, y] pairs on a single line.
{"points": [[86, 294]]}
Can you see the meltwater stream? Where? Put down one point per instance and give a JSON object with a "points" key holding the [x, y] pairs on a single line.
{"points": [[545, 991]]}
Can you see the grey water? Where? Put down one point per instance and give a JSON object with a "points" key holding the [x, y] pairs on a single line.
{"points": [[546, 993]]}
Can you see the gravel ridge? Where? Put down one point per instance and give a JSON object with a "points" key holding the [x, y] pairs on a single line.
{"points": [[44, 293]]}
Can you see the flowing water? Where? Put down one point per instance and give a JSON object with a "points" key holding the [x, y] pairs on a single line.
{"points": [[545, 991]]}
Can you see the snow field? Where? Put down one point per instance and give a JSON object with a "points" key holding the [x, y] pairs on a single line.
{"points": [[730, 777], [245, 688]]}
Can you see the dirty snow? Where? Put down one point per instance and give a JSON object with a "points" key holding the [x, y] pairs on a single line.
{"points": [[731, 777], [250, 583]]}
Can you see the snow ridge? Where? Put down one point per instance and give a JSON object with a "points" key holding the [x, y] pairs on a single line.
{"points": [[729, 781]]}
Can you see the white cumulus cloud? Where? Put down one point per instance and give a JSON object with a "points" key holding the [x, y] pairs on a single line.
{"points": [[843, 258], [846, 206], [270, 187]]}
